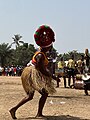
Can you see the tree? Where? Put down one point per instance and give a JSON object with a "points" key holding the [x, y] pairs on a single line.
{"points": [[17, 40], [5, 53], [68, 55], [24, 54]]}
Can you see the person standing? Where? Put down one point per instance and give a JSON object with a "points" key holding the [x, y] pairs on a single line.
{"points": [[87, 60], [81, 65], [71, 71], [36, 76], [61, 68]]}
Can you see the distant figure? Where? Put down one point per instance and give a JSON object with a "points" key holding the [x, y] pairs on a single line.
{"points": [[1, 70], [81, 65], [86, 79], [61, 67], [87, 60], [71, 71]]}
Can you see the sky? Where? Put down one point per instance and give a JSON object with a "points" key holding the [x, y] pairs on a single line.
{"points": [[69, 19]]}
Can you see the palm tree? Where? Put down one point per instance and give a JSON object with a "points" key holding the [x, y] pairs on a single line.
{"points": [[5, 53], [17, 40]]}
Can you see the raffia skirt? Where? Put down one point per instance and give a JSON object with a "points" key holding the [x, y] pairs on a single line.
{"points": [[33, 79]]}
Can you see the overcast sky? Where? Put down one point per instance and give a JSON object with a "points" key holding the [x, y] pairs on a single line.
{"points": [[70, 20]]}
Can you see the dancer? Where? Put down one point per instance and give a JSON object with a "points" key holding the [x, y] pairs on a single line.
{"points": [[36, 76]]}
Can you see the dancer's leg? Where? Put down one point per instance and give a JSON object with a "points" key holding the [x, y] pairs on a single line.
{"points": [[23, 101], [41, 103]]}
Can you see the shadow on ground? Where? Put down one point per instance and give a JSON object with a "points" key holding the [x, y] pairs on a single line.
{"points": [[67, 97], [62, 117]]}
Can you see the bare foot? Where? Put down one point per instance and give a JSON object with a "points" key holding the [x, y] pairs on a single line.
{"points": [[12, 112], [39, 116]]}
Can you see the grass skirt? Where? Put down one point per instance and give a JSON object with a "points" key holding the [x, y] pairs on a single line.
{"points": [[33, 79]]}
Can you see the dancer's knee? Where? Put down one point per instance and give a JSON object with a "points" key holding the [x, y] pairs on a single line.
{"points": [[43, 92], [30, 96]]}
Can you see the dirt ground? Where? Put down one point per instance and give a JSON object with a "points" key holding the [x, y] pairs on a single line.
{"points": [[66, 104]]}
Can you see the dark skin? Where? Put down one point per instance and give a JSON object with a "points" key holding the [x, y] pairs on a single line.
{"points": [[40, 62], [40, 66]]}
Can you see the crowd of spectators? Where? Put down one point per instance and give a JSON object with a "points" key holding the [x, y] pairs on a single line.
{"points": [[11, 70]]}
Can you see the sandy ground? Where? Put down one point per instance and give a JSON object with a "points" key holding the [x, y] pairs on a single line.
{"points": [[66, 104]]}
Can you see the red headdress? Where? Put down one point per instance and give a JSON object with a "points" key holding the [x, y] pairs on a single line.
{"points": [[44, 36]]}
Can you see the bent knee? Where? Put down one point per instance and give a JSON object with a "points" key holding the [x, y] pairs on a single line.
{"points": [[43, 92], [30, 96]]}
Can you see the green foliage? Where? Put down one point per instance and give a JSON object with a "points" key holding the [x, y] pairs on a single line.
{"points": [[5, 53], [68, 55], [19, 56], [22, 54]]}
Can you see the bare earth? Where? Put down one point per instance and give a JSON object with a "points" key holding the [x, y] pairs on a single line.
{"points": [[66, 104]]}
